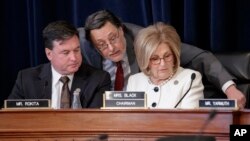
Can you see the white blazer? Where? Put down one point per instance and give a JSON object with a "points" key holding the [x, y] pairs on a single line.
{"points": [[171, 92]]}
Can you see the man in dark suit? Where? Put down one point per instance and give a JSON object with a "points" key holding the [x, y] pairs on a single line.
{"points": [[113, 42], [62, 47]]}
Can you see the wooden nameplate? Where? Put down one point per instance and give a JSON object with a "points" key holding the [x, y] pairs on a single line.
{"points": [[27, 104]]}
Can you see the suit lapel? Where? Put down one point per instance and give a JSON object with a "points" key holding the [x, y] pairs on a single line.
{"points": [[46, 81], [131, 55], [79, 81]]}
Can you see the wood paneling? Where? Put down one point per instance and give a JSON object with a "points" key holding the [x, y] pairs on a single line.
{"points": [[124, 125]]}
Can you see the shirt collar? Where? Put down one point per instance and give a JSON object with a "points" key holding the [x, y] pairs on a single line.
{"points": [[108, 61], [56, 76]]}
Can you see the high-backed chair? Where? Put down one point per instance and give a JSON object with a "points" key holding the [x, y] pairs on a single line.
{"points": [[238, 64]]}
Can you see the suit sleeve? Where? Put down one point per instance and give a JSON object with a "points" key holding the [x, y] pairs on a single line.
{"points": [[102, 83], [17, 90], [206, 63]]}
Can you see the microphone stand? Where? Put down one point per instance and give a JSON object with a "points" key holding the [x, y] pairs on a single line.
{"points": [[211, 116], [192, 79]]}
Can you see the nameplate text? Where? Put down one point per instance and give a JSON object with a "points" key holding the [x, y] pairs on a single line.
{"points": [[218, 103], [124, 99], [27, 103]]}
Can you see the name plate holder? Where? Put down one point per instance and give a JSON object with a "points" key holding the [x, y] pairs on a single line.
{"points": [[218, 104], [124, 100], [27, 104]]}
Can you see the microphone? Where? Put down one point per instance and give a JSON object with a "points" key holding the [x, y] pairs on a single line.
{"points": [[192, 79], [44, 87], [45, 84], [197, 137], [102, 137], [211, 116]]}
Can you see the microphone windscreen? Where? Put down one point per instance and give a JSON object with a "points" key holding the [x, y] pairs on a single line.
{"points": [[103, 137], [46, 83], [193, 76]]}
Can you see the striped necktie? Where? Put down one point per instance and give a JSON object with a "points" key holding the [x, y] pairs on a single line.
{"points": [[65, 94]]}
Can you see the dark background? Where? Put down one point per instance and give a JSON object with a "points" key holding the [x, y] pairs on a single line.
{"points": [[215, 25]]}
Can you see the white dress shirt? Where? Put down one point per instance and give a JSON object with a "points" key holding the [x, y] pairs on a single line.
{"points": [[57, 88], [111, 67]]}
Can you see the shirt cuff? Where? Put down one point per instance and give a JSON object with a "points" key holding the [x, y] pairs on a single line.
{"points": [[226, 85]]}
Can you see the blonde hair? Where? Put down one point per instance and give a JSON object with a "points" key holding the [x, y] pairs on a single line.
{"points": [[149, 38]]}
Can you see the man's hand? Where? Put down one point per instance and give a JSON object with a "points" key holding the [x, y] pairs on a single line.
{"points": [[233, 93]]}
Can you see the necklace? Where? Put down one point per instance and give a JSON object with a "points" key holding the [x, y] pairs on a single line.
{"points": [[162, 83]]}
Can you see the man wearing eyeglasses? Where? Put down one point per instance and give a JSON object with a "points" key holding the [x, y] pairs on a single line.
{"points": [[114, 42], [106, 33]]}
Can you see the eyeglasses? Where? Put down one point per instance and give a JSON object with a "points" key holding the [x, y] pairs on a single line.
{"points": [[156, 59], [112, 40]]}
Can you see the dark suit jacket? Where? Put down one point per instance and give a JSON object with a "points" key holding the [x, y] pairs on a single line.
{"points": [[36, 83], [206, 63], [191, 57]]}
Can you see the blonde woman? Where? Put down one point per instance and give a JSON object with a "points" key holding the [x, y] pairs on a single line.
{"points": [[157, 49]]}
